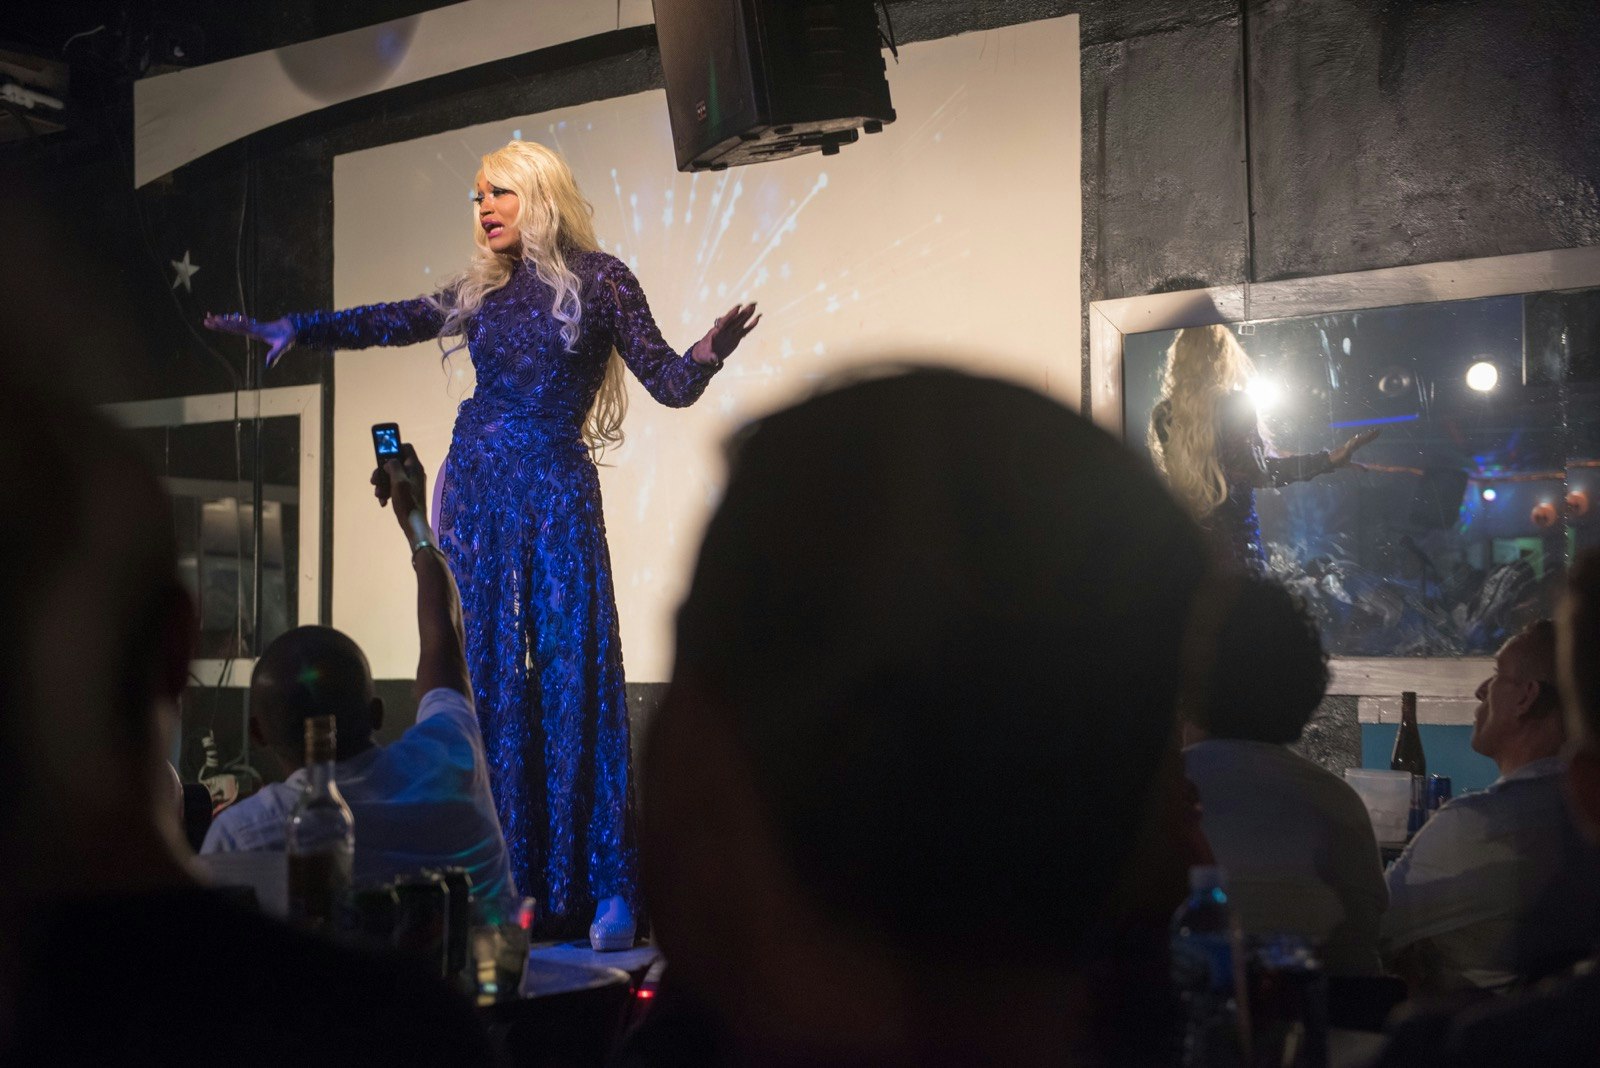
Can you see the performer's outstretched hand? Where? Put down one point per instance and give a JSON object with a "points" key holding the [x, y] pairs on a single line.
{"points": [[1341, 456], [725, 334], [278, 334]]}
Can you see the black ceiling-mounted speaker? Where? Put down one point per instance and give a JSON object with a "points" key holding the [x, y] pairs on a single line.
{"points": [[755, 80]]}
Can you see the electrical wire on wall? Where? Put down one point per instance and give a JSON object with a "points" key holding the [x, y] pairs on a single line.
{"points": [[253, 370], [1246, 326]]}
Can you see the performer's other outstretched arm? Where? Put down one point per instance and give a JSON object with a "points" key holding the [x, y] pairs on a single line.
{"points": [[672, 379], [1244, 455], [402, 322]]}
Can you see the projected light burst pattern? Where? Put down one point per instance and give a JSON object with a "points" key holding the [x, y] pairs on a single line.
{"points": [[704, 241]]}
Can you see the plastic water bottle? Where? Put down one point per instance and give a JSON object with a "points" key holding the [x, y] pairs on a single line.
{"points": [[1208, 968]]}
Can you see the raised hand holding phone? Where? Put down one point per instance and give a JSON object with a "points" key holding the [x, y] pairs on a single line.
{"points": [[399, 480], [400, 483], [386, 442]]}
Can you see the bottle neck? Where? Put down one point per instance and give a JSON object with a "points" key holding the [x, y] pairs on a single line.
{"points": [[321, 732], [319, 775]]}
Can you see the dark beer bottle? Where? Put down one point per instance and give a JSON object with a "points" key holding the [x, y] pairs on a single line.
{"points": [[1408, 757]]}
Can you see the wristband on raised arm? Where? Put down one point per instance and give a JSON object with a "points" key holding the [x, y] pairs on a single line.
{"points": [[421, 533]]}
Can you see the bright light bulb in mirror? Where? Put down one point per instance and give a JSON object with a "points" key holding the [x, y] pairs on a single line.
{"points": [[1489, 494], [1482, 376], [1264, 393]]}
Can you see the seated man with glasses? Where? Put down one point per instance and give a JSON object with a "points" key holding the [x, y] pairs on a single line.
{"points": [[1499, 887]]}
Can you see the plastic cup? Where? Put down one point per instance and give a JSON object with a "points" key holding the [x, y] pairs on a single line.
{"points": [[1387, 795]]}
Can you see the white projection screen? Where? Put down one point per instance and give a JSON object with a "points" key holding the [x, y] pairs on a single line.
{"points": [[952, 237]]}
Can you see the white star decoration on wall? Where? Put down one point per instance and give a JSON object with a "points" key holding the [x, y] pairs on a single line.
{"points": [[184, 271]]}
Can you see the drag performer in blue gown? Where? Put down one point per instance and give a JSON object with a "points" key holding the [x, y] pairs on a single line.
{"points": [[550, 322]]}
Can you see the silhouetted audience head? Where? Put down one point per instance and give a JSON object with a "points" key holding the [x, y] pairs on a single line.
{"points": [[313, 671], [1578, 672], [100, 630], [1578, 649], [89, 839], [1269, 671], [924, 695], [94, 623]]}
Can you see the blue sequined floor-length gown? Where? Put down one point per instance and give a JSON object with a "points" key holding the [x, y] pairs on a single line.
{"points": [[522, 527]]}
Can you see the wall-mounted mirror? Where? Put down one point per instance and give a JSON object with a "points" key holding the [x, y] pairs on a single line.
{"points": [[244, 472], [235, 490], [1455, 526]]}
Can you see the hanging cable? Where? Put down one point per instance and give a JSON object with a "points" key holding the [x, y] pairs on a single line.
{"points": [[81, 34], [888, 37]]}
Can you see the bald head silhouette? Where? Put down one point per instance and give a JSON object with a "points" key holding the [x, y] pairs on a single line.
{"points": [[314, 671]]}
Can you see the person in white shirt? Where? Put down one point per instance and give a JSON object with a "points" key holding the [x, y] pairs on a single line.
{"points": [[1499, 887], [422, 801], [1294, 838]]}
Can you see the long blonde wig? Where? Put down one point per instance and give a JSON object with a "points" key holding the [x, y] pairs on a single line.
{"points": [[554, 220], [1204, 365]]}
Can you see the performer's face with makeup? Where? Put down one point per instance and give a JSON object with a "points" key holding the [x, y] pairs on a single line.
{"points": [[497, 214]]}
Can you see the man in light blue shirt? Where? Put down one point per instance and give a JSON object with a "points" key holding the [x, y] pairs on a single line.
{"points": [[420, 802], [1499, 886]]}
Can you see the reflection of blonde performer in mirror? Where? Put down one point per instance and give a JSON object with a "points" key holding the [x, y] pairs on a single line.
{"points": [[549, 321], [1205, 437]]}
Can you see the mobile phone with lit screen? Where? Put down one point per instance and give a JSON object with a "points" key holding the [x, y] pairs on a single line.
{"points": [[386, 441]]}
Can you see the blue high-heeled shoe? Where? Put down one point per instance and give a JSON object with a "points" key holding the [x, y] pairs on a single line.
{"points": [[613, 926]]}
